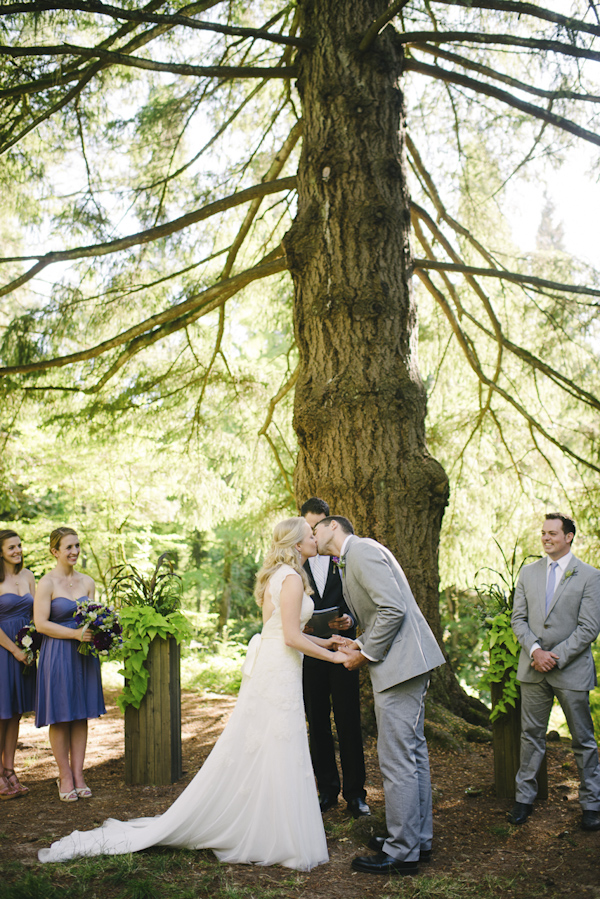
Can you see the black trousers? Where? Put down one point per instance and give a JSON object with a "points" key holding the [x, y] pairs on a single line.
{"points": [[327, 685]]}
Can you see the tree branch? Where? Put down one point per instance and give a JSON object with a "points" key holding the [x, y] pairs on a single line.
{"points": [[147, 236], [376, 26], [559, 94], [527, 9], [196, 305], [483, 37], [136, 62], [481, 88], [130, 15], [506, 276], [474, 363]]}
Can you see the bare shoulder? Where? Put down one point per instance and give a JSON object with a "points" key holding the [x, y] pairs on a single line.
{"points": [[28, 575]]}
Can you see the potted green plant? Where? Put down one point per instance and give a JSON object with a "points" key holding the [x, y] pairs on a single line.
{"points": [[153, 628]]}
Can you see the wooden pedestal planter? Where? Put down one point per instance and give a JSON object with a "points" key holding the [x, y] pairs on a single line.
{"points": [[506, 730], [153, 732]]}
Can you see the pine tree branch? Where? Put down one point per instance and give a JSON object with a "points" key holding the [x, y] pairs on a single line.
{"points": [[510, 40], [435, 198], [137, 16], [527, 9], [376, 26], [481, 88], [473, 361], [285, 389], [507, 276], [147, 236], [136, 62], [174, 318], [558, 94]]}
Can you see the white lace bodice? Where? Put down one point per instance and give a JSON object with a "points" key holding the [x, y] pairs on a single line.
{"points": [[273, 626]]}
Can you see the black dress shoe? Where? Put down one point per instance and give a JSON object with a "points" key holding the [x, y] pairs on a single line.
{"points": [[376, 843], [382, 863], [520, 812], [358, 808], [590, 820], [327, 802]]}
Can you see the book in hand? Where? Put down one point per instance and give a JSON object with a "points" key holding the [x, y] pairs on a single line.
{"points": [[320, 621]]}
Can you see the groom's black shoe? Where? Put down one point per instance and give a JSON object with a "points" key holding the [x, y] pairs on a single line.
{"points": [[520, 812], [358, 808], [382, 863], [327, 802], [376, 843], [590, 820]]}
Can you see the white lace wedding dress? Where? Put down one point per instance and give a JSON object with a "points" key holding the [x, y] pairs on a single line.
{"points": [[254, 799]]}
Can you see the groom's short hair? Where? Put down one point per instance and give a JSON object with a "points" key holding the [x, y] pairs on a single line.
{"points": [[344, 524], [315, 505], [568, 524]]}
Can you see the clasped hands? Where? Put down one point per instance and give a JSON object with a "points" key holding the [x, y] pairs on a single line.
{"points": [[351, 649], [543, 661]]}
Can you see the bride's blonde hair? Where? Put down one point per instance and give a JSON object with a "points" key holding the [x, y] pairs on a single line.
{"points": [[283, 552]]}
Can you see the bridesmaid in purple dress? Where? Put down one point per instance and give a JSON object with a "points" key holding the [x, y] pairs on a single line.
{"points": [[69, 688], [17, 693]]}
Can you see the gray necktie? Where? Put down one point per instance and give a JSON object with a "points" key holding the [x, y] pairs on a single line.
{"points": [[551, 585]]}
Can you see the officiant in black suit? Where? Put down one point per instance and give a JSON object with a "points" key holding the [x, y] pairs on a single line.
{"points": [[333, 685]]}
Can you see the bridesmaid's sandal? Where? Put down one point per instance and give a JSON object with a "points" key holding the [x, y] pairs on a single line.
{"points": [[13, 780], [69, 796], [7, 791], [83, 792]]}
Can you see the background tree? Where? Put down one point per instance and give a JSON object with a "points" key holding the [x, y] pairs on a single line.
{"points": [[271, 138]]}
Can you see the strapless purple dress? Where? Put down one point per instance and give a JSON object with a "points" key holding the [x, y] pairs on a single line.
{"points": [[69, 686], [17, 690]]}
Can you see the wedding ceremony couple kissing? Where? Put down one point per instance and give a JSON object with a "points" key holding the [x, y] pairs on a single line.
{"points": [[261, 794]]}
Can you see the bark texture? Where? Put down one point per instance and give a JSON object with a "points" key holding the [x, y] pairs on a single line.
{"points": [[360, 404]]}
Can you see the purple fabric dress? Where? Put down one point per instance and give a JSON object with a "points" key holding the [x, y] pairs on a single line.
{"points": [[17, 691], [69, 686]]}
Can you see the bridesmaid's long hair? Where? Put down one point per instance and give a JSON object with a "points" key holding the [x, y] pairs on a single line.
{"points": [[283, 552], [6, 535]]}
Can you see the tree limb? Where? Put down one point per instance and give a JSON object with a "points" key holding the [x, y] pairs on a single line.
{"points": [[483, 37], [150, 234], [474, 363], [506, 276], [376, 26], [527, 9], [198, 304], [559, 94], [131, 15], [136, 62], [481, 88]]}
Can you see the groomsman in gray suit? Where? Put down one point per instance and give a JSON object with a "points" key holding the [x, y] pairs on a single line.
{"points": [[556, 618], [398, 646]]}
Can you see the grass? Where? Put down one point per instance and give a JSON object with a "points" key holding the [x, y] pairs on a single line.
{"points": [[220, 672], [455, 887], [197, 875]]}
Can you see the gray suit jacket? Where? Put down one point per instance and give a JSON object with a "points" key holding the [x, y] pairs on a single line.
{"points": [[570, 627], [396, 633]]}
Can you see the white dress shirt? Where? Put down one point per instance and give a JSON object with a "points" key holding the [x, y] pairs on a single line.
{"points": [[562, 565]]}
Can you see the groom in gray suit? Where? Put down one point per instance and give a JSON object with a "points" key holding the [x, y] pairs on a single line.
{"points": [[398, 646], [556, 618]]}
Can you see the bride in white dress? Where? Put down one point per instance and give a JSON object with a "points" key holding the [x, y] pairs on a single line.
{"points": [[254, 799]]}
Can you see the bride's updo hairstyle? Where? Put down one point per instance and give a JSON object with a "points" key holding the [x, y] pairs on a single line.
{"points": [[57, 535], [283, 552]]}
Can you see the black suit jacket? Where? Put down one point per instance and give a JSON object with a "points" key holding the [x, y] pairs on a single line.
{"points": [[332, 596]]}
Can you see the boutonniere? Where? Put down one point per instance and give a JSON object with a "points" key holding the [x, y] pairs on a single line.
{"points": [[339, 562], [572, 572]]}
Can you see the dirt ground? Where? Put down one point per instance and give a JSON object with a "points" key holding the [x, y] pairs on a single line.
{"points": [[472, 837]]}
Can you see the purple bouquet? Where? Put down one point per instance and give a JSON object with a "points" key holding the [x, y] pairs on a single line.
{"points": [[104, 625], [29, 641]]}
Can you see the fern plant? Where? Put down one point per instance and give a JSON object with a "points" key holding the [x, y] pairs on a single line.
{"points": [[496, 604], [149, 608]]}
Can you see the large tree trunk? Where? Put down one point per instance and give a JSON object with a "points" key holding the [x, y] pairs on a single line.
{"points": [[360, 404]]}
